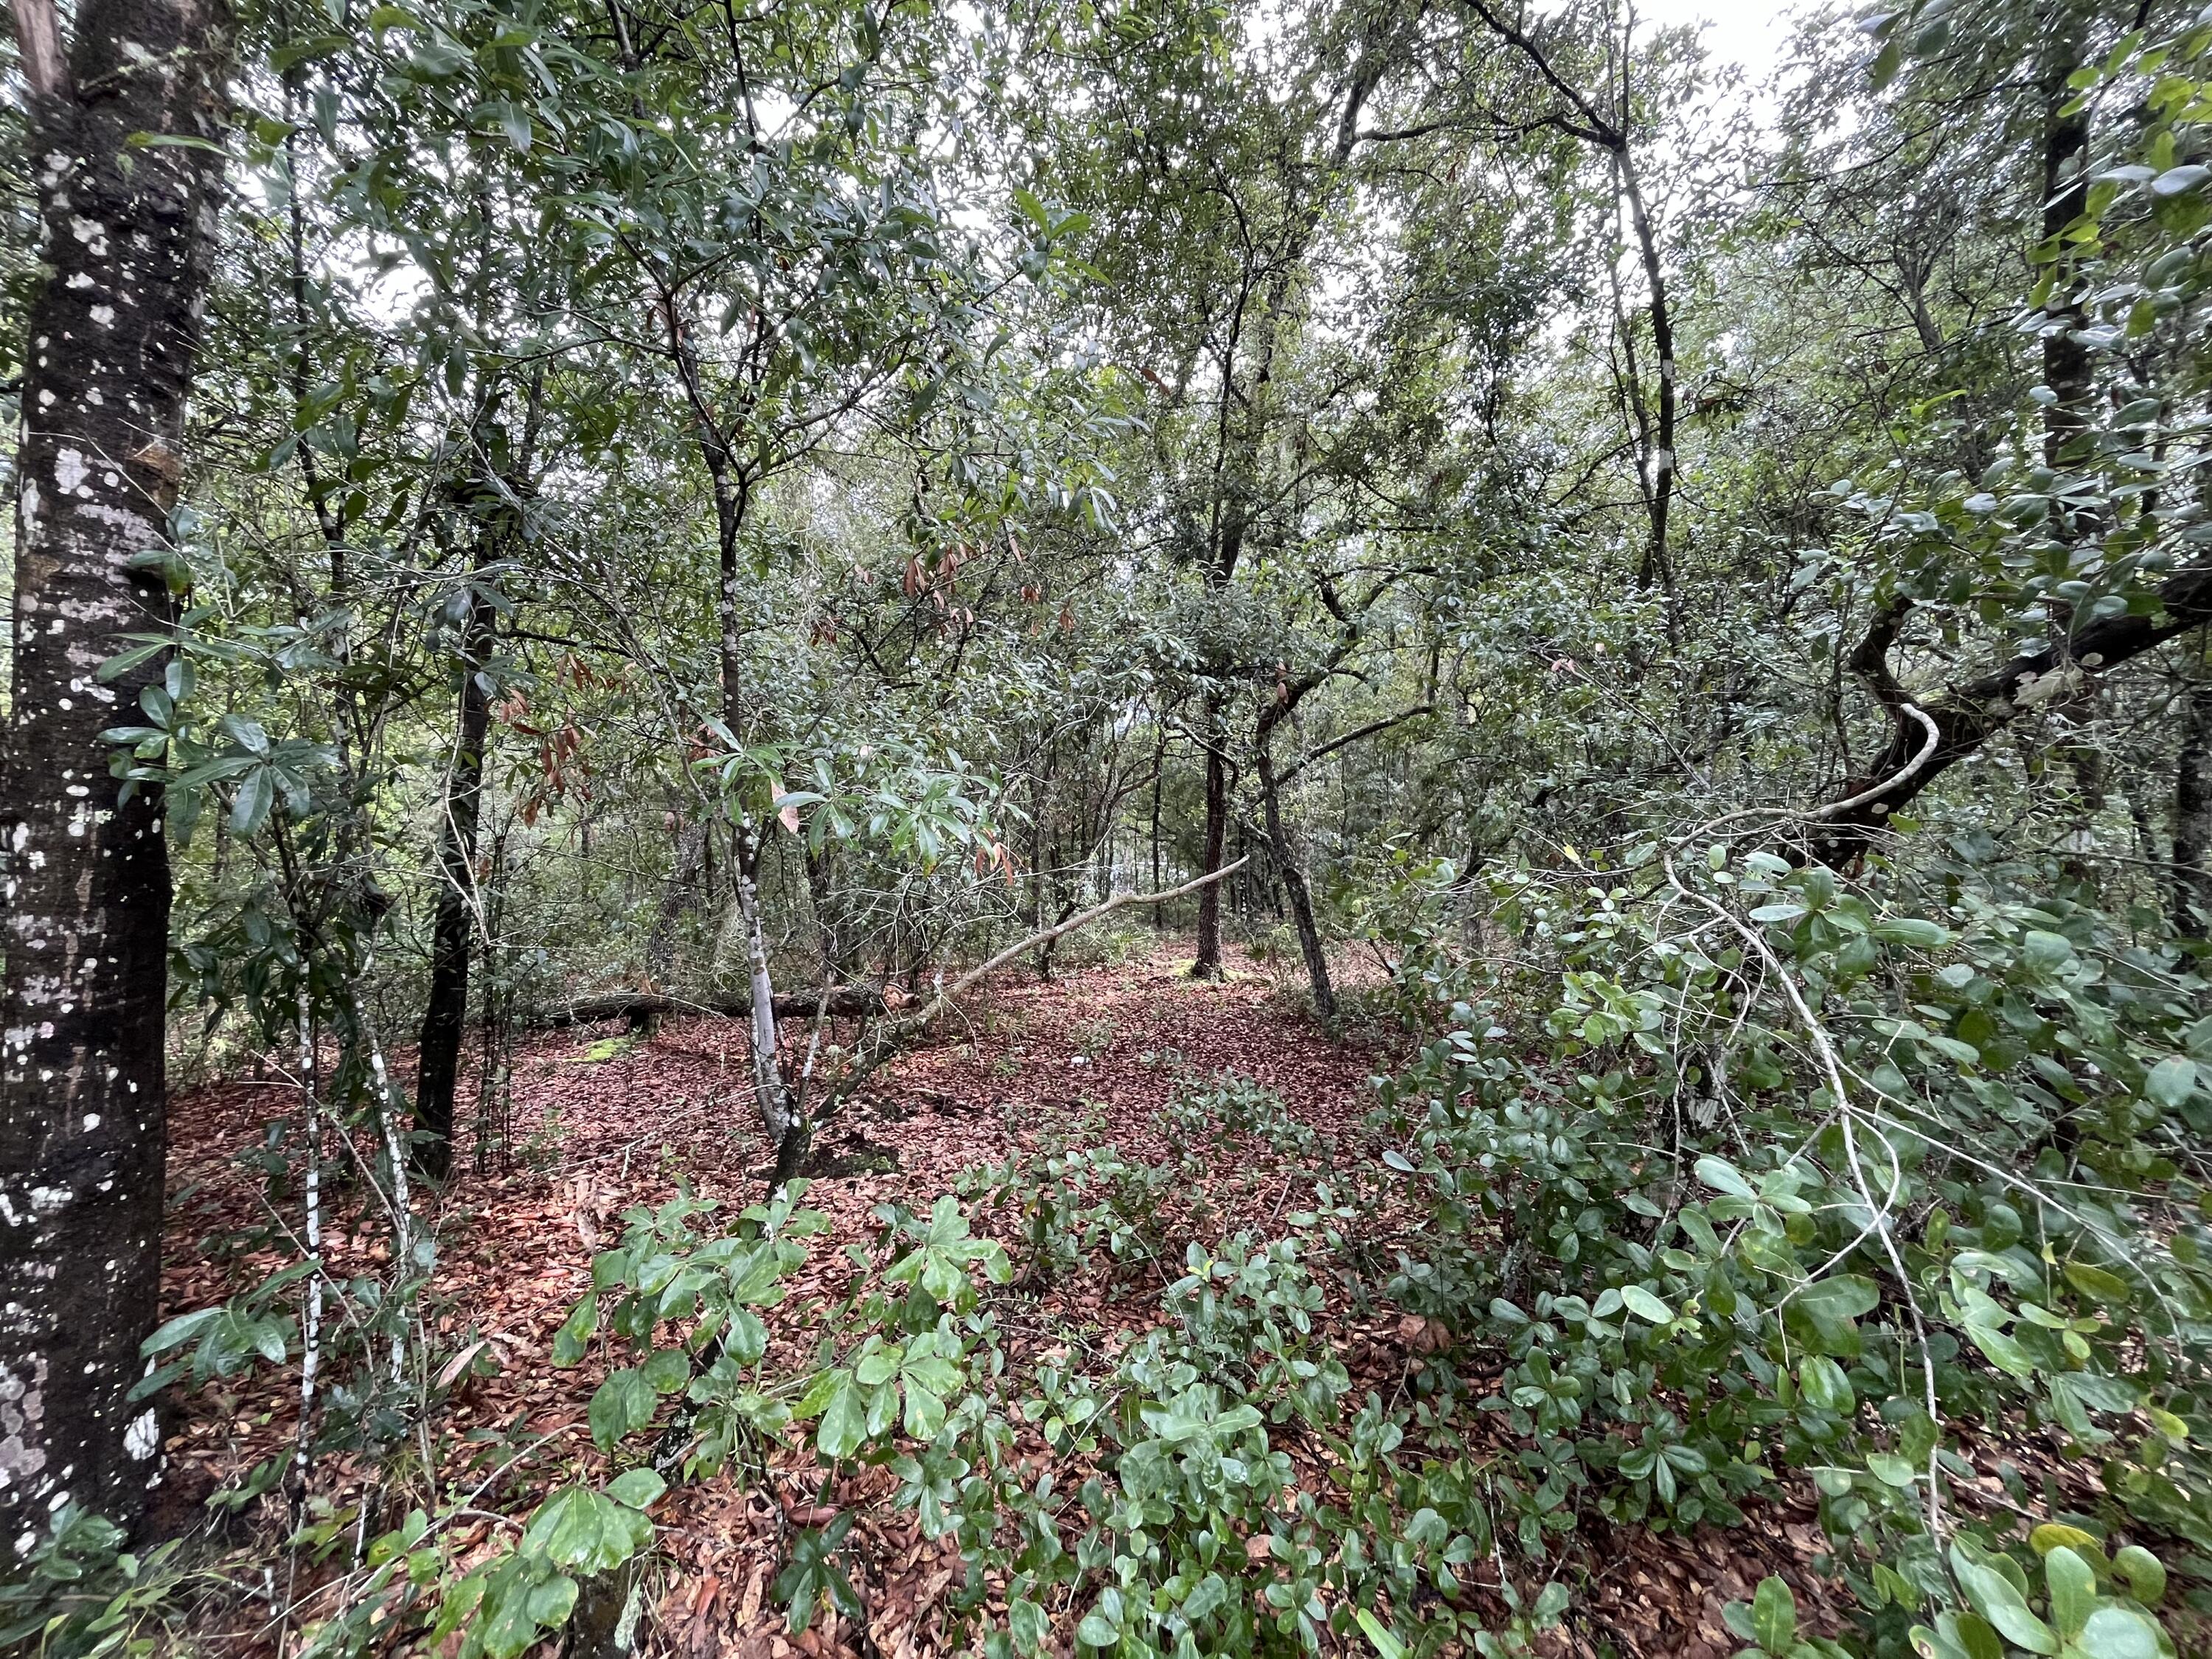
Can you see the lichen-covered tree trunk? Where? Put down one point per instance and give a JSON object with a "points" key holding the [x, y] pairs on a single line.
{"points": [[128, 236], [785, 1130]]}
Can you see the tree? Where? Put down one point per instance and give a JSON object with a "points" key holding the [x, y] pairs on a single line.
{"points": [[127, 127]]}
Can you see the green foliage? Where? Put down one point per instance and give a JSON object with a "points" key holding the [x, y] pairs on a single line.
{"points": [[79, 1595]]}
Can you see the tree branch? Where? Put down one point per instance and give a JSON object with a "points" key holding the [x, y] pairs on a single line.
{"points": [[39, 45], [1335, 744], [1965, 717]]}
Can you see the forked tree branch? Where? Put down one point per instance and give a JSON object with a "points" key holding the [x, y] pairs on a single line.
{"points": [[1967, 716]]}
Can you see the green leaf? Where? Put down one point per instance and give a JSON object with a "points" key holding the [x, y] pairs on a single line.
{"points": [[623, 1403], [2096, 1283], [2171, 1081], [548, 1604], [2145, 1573], [2050, 1535], [2117, 1632], [1723, 1176], [2003, 1352], [175, 1333], [1891, 1468], [1774, 1615], [1829, 1306], [1096, 1631], [925, 1412], [123, 661], [1993, 1597], [639, 1488], [1386, 1645], [572, 1341], [667, 1369], [1913, 932], [1825, 1387], [2073, 1590], [1028, 1623], [1645, 1306], [251, 805], [844, 1420], [586, 1531]]}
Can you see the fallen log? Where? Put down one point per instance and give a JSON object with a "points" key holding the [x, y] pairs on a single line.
{"points": [[643, 1007]]}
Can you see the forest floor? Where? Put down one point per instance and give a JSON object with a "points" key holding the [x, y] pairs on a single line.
{"points": [[603, 1122]]}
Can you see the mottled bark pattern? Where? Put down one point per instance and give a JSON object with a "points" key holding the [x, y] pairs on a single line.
{"points": [[128, 239]]}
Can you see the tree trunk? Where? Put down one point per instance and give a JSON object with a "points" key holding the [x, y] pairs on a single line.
{"points": [[675, 899], [1208, 964], [785, 1132], [445, 1014], [822, 896], [1160, 771], [128, 234], [2192, 812], [1294, 889]]}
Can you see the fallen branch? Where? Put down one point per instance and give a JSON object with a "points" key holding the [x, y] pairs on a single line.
{"points": [[888, 1038], [843, 1002], [938, 1004]]}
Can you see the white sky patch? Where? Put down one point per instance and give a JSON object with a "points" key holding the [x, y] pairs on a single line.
{"points": [[1752, 34]]}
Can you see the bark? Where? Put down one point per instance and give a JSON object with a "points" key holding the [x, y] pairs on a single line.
{"points": [[1659, 459], [677, 897], [1294, 889], [445, 1015], [1967, 716], [111, 341], [1208, 964], [128, 240], [784, 1131], [2192, 812]]}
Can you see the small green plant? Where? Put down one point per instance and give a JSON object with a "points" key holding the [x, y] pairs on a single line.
{"points": [[547, 1142], [1242, 1106], [80, 1593], [1091, 1038], [664, 1278]]}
